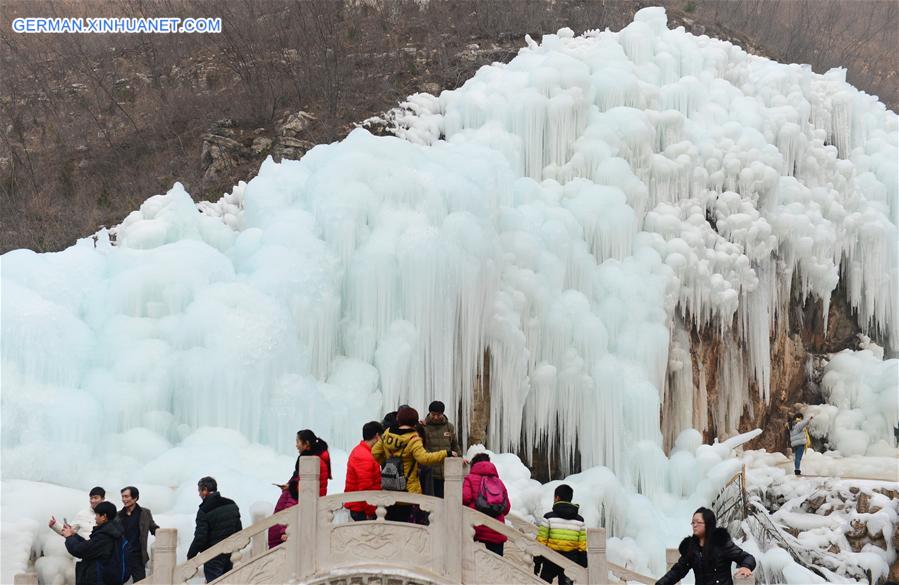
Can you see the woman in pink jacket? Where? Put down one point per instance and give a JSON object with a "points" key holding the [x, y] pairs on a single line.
{"points": [[483, 490]]}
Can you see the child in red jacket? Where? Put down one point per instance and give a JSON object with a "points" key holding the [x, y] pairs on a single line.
{"points": [[483, 490], [362, 471]]}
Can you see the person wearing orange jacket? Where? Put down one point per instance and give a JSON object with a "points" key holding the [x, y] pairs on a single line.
{"points": [[362, 471]]}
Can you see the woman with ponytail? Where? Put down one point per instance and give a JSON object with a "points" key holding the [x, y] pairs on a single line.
{"points": [[307, 444]]}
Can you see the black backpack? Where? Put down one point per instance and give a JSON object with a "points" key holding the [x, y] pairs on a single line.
{"points": [[114, 570], [393, 476]]}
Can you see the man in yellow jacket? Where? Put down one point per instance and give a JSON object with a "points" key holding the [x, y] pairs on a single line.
{"points": [[564, 531], [402, 441]]}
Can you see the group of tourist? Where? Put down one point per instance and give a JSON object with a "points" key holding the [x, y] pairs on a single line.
{"points": [[401, 453], [115, 549]]}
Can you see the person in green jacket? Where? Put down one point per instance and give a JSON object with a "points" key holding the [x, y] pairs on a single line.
{"points": [[440, 435]]}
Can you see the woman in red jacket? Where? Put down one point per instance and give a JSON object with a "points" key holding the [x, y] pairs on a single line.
{"points": [[362, 471], [493, 499], [307, 444]]}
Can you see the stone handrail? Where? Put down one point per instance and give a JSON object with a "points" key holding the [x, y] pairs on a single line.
{"points": [[320, 550], [379, 499], [440, 551], [256, 533], [623, 573], [532, 548]]}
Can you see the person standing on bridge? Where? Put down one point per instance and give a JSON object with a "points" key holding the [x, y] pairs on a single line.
{"points": [[799, 439], [484, 491], [217, 519], [440, 435], [100, 555], [362, 472], [709, 554], [563, 530], [307, 444], [403, 444], [138, 524], [84, 520]]}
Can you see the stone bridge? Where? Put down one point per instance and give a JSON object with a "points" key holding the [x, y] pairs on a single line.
{"points": [[321, 550]]}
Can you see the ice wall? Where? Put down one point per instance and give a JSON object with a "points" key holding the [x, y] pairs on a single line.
{"points": [[576, 212], [861, 413], [757, 183]]}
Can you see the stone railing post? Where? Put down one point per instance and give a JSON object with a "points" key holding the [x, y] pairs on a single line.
{"points": [[259, 542], [29, 578], [671, 556], [452, 517], [304, 536], [164, 557], [597, 565]]}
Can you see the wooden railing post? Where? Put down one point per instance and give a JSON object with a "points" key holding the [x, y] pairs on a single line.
{"points": [[452, 516], [743, 492], [304, 536], [29, 578], [597, 565], [259, 541], [165, 551]]}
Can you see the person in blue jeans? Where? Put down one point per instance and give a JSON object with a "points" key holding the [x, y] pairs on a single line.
{"points": [[798, 438]]}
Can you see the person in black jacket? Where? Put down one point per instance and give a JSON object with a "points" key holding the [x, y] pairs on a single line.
{"points": [[97, 550], [709, 553], [137, 524], [217, 519]]}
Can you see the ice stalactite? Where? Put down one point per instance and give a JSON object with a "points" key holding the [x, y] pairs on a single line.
{"points": [[560, 211], [677, 402], [733, 388]]}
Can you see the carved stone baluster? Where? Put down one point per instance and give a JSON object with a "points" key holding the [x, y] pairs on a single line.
{"points": [[304, 537], [597, 565], [671, 556], [453, 515], [259, 540], [381, 512], [164, 557]]}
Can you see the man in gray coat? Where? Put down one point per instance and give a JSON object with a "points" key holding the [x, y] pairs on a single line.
{"points": [[137, 523], [798, 438], [439, 436]]}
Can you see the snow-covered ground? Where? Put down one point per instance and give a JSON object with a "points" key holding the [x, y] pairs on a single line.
{"points": [[852, 523], [577, 211]]}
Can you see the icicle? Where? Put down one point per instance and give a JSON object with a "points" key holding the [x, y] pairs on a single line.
{"points": [[677, 400]]}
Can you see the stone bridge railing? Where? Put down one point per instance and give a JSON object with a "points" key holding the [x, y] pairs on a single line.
{"points": [[321, 550]]}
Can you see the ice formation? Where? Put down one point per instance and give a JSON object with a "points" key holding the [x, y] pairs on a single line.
{"points": [[574, 215], [861, 413], [847, 524], [754, 182]]}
